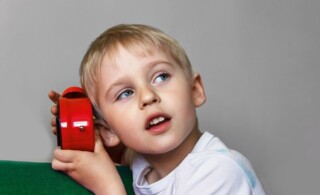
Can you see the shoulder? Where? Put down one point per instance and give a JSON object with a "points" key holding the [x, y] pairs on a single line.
{"points": [[216, 162], [215, 157], [217, 172]]}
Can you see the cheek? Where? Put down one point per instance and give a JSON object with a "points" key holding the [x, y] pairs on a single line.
{"points": [[120, 118], [182, 95], [181, 100]]}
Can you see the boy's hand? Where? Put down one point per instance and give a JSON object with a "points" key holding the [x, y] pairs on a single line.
{"points": [[94, 170], [116, 153], [54, 97]]}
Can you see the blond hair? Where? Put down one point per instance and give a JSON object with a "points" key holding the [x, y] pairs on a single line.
{"points": [[131, 37]]}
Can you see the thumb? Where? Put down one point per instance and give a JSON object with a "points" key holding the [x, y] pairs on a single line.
{"points": [[98, 143]]}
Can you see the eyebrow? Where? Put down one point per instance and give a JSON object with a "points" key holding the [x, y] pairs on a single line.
{"points": [[154, 63], [118, 82]]}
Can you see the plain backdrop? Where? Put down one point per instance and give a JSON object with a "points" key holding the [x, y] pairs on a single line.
{"points": [[259, 60]]}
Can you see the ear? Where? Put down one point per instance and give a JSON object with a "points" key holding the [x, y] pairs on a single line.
{"points": [[109, 138], [199, 96]]}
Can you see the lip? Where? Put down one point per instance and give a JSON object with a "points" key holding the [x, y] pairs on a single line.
{"points": [[159, 128]]}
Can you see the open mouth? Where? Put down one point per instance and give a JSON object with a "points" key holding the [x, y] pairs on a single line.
{"points": [[156, 122]]}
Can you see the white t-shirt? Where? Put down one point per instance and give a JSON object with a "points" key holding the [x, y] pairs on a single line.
{"points": [[211, 168]]}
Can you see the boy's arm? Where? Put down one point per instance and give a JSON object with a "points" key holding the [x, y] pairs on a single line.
{"points": [[94, 170]]}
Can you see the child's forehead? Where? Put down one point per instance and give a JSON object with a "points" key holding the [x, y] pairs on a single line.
{"points": [[136, 49]]}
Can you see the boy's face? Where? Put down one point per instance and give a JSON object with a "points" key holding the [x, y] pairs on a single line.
{"points": [[147, 100]]}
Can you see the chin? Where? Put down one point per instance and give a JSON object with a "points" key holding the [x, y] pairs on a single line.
{"points": [[165, 147]]}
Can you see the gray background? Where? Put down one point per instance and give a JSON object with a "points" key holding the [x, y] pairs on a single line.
{"points": [[259, 61]]}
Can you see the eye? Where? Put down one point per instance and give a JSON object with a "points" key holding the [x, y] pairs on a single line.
{"points": [[124, 94], [161, 78]]}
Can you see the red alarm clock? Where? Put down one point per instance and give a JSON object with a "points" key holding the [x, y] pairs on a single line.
{"points": [[75, 128]]}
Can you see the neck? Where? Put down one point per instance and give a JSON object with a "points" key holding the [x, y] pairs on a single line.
{"points": [[163, 164]]}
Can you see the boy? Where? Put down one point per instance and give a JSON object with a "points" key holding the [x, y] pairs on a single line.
{"points": [[142, 86]]}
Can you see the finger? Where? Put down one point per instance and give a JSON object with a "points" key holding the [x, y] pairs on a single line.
{"points": [[61, 166], [54, 110], [53, 122], [66, 156], [54, 130], [53, 96]]}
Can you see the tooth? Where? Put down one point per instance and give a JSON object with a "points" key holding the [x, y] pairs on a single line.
{"points": [[155, 121]]}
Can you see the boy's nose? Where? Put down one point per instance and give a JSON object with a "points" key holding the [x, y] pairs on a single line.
{"points": [[148, 97]]}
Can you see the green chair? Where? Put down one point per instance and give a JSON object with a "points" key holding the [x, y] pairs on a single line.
{"points": [[18, 177]]}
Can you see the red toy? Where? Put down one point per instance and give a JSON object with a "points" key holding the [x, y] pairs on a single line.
{"points": [[75, 128]]}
